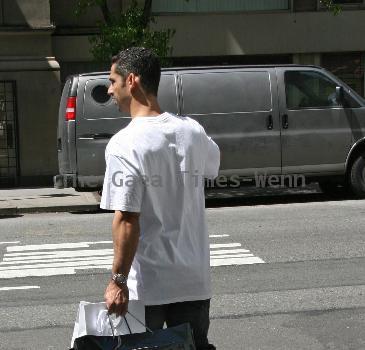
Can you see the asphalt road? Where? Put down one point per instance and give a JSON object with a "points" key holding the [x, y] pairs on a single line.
{"points": [[288, 275]]}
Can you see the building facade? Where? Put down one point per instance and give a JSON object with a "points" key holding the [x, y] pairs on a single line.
{"points": [[43, 41]]}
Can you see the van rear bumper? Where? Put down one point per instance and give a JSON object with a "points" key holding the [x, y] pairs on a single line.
{"points": [[64, 181]]}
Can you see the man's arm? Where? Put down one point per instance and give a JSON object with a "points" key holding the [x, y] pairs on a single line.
{"points": [[125, 229]]}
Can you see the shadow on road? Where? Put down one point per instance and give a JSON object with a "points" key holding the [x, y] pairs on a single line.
{"points": [[95, 211], [251, 196], [10, 216]]}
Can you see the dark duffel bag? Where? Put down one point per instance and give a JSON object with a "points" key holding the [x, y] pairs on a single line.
{"points": [[173, 338]]}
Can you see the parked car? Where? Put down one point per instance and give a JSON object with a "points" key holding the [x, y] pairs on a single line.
{"points": [[280, 120]]}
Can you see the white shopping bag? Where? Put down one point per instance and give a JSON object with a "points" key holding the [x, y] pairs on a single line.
{"points": [[92, 319]]}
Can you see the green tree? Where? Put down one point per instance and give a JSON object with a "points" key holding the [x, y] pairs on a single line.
{"points": [[130, 27], [330, 5]]}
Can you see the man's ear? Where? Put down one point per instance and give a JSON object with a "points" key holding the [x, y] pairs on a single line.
{"points": [[130, 79], [133, 80]]}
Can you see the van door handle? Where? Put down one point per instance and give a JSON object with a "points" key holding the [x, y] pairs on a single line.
{"points": [[102, 136], [285, 121], [270, 122]]}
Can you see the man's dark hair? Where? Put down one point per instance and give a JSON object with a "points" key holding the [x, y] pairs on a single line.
{"points": [[142, 62]]}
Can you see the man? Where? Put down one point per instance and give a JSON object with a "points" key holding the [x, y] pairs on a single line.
{"points": [[153, 181]]}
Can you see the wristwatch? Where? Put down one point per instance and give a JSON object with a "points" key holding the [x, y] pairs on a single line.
{"points": [[119, 279]]}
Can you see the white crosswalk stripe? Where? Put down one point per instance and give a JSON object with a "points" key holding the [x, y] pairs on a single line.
{"points": [[18, 288], [68, 258]]}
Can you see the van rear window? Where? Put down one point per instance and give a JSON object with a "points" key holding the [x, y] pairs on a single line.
{"points": [[226, 92], [100, 94], [99, 105]]}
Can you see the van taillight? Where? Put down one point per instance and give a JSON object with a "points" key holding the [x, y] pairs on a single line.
{"points": [[71, 109]]}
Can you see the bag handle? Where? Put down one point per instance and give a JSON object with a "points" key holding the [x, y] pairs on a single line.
{"points": [[140, 322], [129, 328]]}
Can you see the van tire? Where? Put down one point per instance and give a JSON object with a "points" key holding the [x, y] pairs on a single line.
{"points": [[357, 176]]}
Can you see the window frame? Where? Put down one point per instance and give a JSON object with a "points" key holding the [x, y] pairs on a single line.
{"points": [[106, 102], [228, 12], [348, 6], [350, 3]]}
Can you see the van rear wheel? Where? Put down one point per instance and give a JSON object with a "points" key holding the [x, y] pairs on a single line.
{"points": [[357, 176]]}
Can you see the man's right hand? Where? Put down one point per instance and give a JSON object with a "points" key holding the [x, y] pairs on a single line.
{"points": [[117, 298]]}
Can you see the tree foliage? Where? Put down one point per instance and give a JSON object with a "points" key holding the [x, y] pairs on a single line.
{"points": [[130, 27], [329, 4]]}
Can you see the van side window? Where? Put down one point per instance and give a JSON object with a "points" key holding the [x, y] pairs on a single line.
{"points": [[350, 102], [226, 92], [306, 89]]}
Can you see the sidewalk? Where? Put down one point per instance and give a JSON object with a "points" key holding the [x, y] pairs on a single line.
{"points": [[46, 199]]}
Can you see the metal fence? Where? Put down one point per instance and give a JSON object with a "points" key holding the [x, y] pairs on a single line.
{"points": [[8, 135]]}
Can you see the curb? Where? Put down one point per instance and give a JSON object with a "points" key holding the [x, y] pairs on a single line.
{"points": [[50, 209]]}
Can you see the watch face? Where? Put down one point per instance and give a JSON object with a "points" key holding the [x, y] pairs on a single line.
{"points": [[119, 278]]}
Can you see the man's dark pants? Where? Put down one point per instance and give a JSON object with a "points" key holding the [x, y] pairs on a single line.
{"points": [[194, 312]]}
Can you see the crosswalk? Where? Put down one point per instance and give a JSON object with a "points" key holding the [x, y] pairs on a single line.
{"points": [[225, 254], [20, 261]]}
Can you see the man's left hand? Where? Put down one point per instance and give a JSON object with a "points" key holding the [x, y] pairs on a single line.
{"points": [[117, 298]]}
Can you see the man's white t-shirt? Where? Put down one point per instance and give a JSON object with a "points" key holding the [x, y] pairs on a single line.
{"points": [[156, 166]]}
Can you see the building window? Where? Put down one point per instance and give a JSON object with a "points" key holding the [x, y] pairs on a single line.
{"points": [[344, 2], [230, 60], [304, 5], [179, 6], [349, 67]]}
